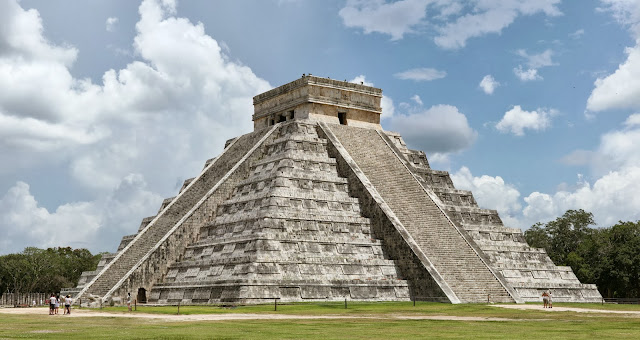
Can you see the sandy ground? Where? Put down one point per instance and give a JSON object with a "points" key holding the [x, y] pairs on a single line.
{"points": [[569, 309], [80, 313]]}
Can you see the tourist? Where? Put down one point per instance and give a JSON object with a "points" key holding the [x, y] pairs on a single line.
{"points": [[545, 299], [52, 304], [129, 301], [67, 304], [57, 304]]}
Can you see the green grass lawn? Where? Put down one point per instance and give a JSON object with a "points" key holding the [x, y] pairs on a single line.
{"points": [[605, 306], [528, 324], [373, 308]]}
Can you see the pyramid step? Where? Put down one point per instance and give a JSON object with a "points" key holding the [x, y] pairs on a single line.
{"points": [[153, 233]]}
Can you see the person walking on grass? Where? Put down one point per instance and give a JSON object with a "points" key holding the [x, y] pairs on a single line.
{"points": [[52, 304], [67, 305], [545, 299], [56, 305]]}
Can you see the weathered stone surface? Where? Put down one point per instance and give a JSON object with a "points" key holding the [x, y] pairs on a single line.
{"points": [[320, 204], [528, 270]]}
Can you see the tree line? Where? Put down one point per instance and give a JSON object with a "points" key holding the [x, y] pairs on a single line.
{"points": [[36, 270], [608, 257]]}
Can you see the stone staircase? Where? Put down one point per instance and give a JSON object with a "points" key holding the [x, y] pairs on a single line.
{"points": [[173, 213], [453, 257]]}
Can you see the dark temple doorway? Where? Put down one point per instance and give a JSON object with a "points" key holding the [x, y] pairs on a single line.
{"points": [[142, 295], [342, 117]]}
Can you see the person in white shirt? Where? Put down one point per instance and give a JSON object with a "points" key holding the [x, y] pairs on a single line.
{"points": [[67, 304], [52, 304]]}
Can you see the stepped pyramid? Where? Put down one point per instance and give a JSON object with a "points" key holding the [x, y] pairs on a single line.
{"points": [[319, 203]]}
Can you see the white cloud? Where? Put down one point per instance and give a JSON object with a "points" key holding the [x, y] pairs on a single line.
{"points": [[416, 99], [361, 79], [537, 60], [526, 75], [626, 12], [440, 129], [462, 19], [21, 33], [611, 198], [517, 120], [613, 195], [621, 89], [534, 62], [395, 19], [618, 149], [448, 8], [577, 34], [98, 225], [490, 16], [421, 74], [172, 109], [388, 109], [633, 120], [386, 103], [491, 193], [111, 24], [488, 84]]}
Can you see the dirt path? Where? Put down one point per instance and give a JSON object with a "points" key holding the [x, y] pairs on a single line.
{"points": [[569, 309], [80, 313]]}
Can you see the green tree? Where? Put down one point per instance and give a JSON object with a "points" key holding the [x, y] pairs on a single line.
{"points": [[44, 270], [608, 257], [537, 236], [563, 236], [620, 273], [16, 273]]}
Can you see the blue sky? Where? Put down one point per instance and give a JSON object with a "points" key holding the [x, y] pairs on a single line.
{"points": [[106, 107]]}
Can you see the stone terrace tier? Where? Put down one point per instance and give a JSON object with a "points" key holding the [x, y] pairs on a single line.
{"points": [[177, 217], [291, 231], [528, 270]]}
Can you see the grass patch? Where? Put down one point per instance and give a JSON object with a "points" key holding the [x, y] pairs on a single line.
{"points": [[606, 306], [524, 324], [338, 308], [371, 309]]}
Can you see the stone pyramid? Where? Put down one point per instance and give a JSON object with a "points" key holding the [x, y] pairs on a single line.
{"points": [[319, 203]]}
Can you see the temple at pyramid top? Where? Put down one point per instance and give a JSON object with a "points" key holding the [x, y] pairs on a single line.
{"points": [[319, 99]]}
